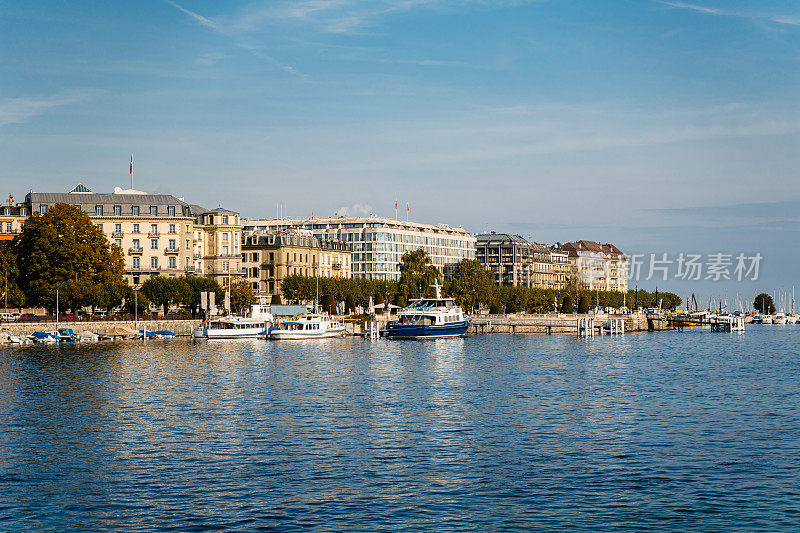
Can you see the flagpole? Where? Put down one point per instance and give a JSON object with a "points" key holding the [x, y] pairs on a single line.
{"points": [[131, 171]]}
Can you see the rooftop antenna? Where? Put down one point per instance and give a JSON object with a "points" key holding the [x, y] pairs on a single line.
{"points": [[131, 171]]}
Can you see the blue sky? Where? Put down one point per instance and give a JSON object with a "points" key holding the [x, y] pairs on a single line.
{"points": [[660, 126]]}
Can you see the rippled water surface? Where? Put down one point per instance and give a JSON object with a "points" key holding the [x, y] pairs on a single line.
{"points": [[671, 431]]}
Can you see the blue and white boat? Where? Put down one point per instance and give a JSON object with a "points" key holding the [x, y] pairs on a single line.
{"points": [[307, 326], [428, 318]]}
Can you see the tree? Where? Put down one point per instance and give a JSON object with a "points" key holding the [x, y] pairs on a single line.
{"points": [[276, 299], [472, 284], [9, 277], [64, 249], [329, 304], [194, 285], [163, 291], [242, 294], [417, 273], [763, 303], [566, 305], [583, 305], [112, 294], [349, 304]]}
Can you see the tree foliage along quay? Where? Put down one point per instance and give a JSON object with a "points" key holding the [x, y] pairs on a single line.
{"points": [[764, 304], [184, 290], [471, 284], [64, 250]]}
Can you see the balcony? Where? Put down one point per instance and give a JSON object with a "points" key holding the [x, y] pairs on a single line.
{"points": [[189, 269], [153, 233], [117, 235], [196, 256], [171, 251], [336, 266], [135, 251]]}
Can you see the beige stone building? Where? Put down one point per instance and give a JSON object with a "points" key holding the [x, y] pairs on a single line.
{"points": [[154, 231], [12, 219], [270, 256], [216, 239], [601, 267]]}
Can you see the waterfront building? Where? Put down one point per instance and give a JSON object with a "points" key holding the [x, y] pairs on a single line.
{"points": [[559, 261], [216, 244], [268, 257], [378, 243], [601, 266], [516, 262], [153, 230], [12, 219]]}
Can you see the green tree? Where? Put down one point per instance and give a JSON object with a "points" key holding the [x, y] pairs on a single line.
{"points": [[764, 304], [163, 291], [329, 304], [194, 285], [64, 249], [242, 295], [566, 305], [472, 284], [583, 305], [112, 294], [349, 303], [9, 277], [276, 299], [417, 273]]}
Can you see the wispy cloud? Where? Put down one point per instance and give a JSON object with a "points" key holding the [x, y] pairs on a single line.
{"points": [[789, 20], [200, 19], [21, 110], [226, 31]]}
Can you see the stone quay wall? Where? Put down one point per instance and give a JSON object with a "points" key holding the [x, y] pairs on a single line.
{"points": [[179, 327], [559, 324]]}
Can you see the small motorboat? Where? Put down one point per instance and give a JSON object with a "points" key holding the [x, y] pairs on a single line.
{"points": [[42, 337]]}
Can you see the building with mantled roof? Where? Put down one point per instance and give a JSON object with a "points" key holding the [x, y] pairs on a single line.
{"points": [[601, 267]]}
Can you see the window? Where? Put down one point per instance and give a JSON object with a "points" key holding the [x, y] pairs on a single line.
{"points": [[6, 210], [154, 244], [224, 250], [136, 263], [172, 244], [271, 257], [98, 210], [188, 245], [172, 263], [154, 229], [117, 210], [43, 209], [154, 262], [136, 210], [153, 210], [172, 228], [136, 244], [8, 227], [118, 228], [171, 210], [225, 266], [224, 219], [136, 228], [100, 227], [225, 236], [118, 242]]}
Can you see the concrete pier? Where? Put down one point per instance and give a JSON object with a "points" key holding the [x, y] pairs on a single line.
{"points": [[560, 324]]}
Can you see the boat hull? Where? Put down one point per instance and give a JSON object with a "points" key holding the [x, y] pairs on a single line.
{"points": [[421, 331], [239, 333], [285, 335]]}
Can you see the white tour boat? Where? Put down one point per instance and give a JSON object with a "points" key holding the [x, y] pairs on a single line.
{"points": [[255, 324], [307, 326]]}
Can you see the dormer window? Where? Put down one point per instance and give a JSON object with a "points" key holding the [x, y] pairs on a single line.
{"points": [[171, 210], [43, 209], [153, 210], [136, 210], [98, 210]]}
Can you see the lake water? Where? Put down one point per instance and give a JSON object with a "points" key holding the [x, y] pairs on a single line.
{"points": [[669, 431]]}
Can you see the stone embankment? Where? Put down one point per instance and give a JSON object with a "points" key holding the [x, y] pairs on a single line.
{"points": [[559, 324], [179, 327]]}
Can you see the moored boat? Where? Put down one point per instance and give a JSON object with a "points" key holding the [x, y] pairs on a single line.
{"points": [[257, 321], [307, 326], [429, 318]]}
